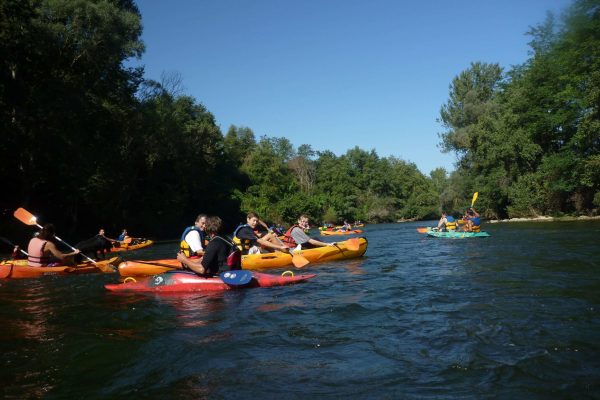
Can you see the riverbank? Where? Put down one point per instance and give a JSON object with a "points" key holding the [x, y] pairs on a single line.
{"points": [[544, 219]]}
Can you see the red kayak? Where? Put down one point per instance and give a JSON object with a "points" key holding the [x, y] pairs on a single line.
{"points": [[184, 281]]}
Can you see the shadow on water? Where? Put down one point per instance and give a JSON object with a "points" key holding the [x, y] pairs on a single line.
{"points": [[512, 315]]}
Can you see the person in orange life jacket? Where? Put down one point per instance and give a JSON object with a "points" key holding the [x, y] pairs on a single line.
{"points": [[193, 238], [446, 223], [43, 252], [215, 253], [473, 222], [295, 236], [248, 239]]}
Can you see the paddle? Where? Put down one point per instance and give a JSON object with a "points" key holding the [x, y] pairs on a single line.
{"points": [[299, 260], [236, 278], [475, 195], [422, 230], [29, 219], [8, 242], [5, 270]]}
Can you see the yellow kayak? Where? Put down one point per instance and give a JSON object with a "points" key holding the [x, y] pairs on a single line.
{"points": [[330, 233], [253, 261], [133, 245]]}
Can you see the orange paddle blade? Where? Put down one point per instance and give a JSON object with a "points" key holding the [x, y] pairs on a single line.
{"points": [[299, 260], [422, 230], [25, 216], [353, 244], [127, 240]]}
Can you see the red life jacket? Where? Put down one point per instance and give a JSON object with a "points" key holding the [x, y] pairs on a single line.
{"points": [[288, 240]]}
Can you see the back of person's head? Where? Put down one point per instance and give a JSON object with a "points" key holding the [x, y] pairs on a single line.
{"points": [[47, 232], [214, 225]]}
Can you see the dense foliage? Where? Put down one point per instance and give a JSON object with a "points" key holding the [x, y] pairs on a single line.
{"points": [[529, 139], [89, 142]]}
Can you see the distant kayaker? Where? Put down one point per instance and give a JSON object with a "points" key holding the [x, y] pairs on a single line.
{"points": [[446, 223], [193, 238], [122, 236], [250, 241], [295, 236], [473, 222], [346, 227], [216, 252], [42, 252]]}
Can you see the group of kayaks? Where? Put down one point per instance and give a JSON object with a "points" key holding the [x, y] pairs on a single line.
{"points": [[165, 276]]}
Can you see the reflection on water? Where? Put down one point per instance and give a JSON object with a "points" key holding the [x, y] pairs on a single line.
{"points": [[510, 316]]}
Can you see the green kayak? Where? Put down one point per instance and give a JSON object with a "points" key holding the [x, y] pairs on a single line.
{"points": [[456, 235]]}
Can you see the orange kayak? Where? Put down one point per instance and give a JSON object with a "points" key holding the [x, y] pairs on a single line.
{"points": [[124, 246], [15, 269], [253, 261], [352, 232]]}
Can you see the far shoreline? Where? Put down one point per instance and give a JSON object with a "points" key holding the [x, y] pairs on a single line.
{"points": [[545, 219]]}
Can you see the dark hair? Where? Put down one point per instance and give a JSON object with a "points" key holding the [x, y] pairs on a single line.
{"points": [[213, 225], [47, 232]]}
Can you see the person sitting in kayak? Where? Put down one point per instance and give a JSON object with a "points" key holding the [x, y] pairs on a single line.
{"points": [[96, 246], [193, 238], [249, 240], [42, 252], [215, 254], [446, 223], [473, 222], [346, 227], [122, 236], [296, 236]]}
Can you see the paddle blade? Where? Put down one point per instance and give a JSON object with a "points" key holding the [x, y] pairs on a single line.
{"points": [[25, 216], [422, 230], [353, 244], [236, 278], [127, 240], [475, 195], [299, 260]]}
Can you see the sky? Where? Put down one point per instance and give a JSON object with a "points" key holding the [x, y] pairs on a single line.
{"points": [[335, 74]]}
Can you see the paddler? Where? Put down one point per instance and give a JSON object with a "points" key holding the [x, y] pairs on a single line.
{"points": [[193, 238], [249, 240], [446, 223], [473, 222], [295, 236], [42, 252], [216, 252]]}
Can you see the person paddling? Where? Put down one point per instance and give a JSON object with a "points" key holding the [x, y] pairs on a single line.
{"points": [[248, 239], [296, 236], [42, 252], [446, 223]]}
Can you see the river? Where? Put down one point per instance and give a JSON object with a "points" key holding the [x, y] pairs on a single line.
{"points": [[515, 315]]}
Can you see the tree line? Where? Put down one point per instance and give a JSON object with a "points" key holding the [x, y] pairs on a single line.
{"points": [[88, 142]]}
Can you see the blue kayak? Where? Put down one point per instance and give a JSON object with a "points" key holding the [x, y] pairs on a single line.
{"points": [[456, 235]]}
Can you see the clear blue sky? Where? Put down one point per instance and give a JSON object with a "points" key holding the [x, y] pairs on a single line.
{"points": [[335, 73]]}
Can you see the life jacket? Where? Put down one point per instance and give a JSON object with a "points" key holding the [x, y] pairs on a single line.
{"points": [[476, 224], [36, 256], [450, 223], [242, 244], [288, 240], [184, 246]]}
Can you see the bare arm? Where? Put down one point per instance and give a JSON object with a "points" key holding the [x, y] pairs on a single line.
{"points": [[316, 242], [194, 265], [57, 253]]}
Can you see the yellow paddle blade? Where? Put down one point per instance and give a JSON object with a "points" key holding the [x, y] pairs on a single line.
{"points": [[422, 230], [25, 216], [475, 195], [353, 244], [299, 260]]}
